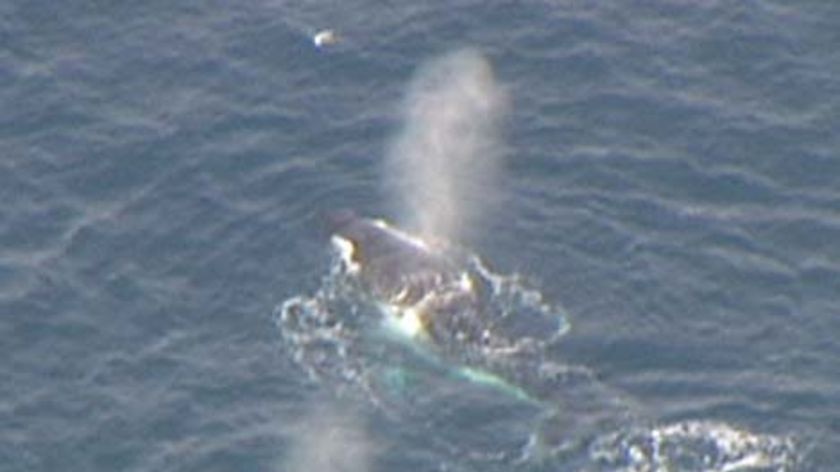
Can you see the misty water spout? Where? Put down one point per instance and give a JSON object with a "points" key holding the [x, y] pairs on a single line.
{"points": [[443, 166]]}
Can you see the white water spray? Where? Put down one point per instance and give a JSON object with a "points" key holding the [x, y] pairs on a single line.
{"points": [[443, 166], [330, 438]]}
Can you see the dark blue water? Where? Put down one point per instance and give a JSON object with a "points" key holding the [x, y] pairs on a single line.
{"points": [[671, 180]]}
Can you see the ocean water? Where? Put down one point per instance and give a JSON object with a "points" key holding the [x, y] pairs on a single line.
{"points": [[670, 189]]}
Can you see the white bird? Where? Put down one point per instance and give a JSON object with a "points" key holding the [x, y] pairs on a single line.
{"points": [[325, 38]]}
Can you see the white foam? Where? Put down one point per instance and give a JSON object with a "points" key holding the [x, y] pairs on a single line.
{"points": [[346, 251], [707, 446]]}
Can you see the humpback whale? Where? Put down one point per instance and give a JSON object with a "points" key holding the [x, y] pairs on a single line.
{"points": [[426, 290]]}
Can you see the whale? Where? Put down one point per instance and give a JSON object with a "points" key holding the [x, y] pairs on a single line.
{"points": [[426, 289]]}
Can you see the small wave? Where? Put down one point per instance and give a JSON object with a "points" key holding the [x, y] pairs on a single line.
{"points": [[693, 446]]}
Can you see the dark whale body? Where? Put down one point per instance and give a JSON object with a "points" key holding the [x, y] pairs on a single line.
{"points": [[405, 273]]}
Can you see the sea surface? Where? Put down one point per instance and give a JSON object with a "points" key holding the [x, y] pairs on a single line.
{"points": [[670, 191]]}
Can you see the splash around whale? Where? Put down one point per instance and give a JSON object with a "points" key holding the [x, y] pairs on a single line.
{"points": [[442, 299]]}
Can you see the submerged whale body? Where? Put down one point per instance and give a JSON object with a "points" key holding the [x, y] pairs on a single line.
{"points": [[427, 289], [431, 292]]}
